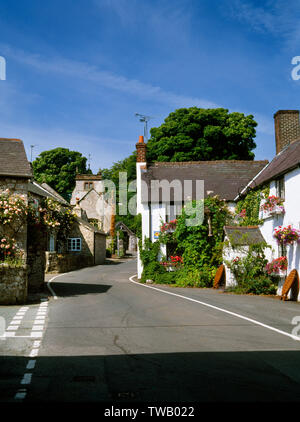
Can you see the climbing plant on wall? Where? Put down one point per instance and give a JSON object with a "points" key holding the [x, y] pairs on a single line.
{"points": [[247, 208], [200, 244]]}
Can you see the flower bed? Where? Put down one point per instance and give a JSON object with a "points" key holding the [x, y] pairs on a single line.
{"points": [[174, 263], [286, 235]]}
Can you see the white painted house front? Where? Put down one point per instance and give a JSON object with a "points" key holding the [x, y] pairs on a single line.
{"points": [[282, 175], [186, 181]]}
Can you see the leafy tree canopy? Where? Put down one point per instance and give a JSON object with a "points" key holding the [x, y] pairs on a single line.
{"points": [[58, 167], [196, 134]]}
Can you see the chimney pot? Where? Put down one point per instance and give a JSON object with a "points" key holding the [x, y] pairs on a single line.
{"points": [[141, 150]]}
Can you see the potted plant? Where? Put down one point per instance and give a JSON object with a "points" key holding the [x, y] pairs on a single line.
{"points": [[277, 266], [286, 235], [273, 205]]}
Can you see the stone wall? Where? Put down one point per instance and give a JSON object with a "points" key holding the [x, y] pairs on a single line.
{"points": [[37, 244], [100, 248], [13, 285], [64, 262]]}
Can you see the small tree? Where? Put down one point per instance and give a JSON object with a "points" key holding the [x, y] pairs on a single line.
{"points": [[58, 168]]}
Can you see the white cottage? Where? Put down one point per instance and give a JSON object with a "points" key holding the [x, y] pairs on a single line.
{"points": [[163, 188], [282, 175]]}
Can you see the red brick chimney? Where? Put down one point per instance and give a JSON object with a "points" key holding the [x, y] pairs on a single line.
{"points": [[287, 128], [141, 149]]}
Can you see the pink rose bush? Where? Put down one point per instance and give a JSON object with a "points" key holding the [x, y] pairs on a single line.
{"points": [[12, 207], [8, 248]]}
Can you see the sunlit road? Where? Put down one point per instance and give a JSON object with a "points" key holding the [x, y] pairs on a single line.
{"points": [[105, 338]]}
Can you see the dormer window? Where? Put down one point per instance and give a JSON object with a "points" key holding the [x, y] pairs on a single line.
{"points": [[88, 185]]}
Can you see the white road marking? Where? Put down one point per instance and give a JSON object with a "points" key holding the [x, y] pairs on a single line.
{"points": [[26, 379], [31, 364], [218, 309], [21, 394], [50, 288], [34, 353], [36, 334], [11, 334], [37, 327]]}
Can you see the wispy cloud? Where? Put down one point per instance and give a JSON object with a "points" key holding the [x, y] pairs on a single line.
{"points": [[86, 72], [277, 17]]}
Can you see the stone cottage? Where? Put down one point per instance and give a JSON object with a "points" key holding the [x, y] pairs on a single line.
{"points": [[36, 244], [85, 246], [90, 196], [15, 173]]}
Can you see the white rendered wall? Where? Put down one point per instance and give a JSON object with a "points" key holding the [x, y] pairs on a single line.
{"points": [[158, 217], [142, 209], [291, 217]]}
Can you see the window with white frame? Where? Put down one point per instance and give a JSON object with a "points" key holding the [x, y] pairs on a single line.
{"points": [[173, 211], [280, 188], [74, 244]]}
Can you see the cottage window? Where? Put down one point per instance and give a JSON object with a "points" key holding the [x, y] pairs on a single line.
{"points": [[280, 188], [88, 185], [51, 243], [282, 251], [74, 244], [173, 211]]}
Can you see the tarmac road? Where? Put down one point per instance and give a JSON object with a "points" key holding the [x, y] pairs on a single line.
{"points": [[105, 338]]}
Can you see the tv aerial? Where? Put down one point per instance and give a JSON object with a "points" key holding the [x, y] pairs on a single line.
{"points": [[144, 119]]}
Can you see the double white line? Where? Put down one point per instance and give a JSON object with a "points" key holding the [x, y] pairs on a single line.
{"points": [[37, 331]]}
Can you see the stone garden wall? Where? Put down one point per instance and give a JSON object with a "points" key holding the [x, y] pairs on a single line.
{"points": [[13, 285], [64, 262]]}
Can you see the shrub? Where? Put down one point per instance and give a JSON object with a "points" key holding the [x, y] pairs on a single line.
{"points": [[152, 271], [187, 277], [250, 272], [257, 286]]}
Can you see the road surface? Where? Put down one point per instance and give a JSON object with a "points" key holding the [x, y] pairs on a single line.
{"points": [[102, 337]]}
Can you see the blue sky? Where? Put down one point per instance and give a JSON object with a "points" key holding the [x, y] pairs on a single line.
{"points": [[77, 71]]}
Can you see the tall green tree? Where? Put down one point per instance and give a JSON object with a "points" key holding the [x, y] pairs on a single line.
{"points": [[58, 167], [197, 134]]}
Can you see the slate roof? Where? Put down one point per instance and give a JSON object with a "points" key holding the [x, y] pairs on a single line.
{"points": [[44, 191], [56, 195], [122, 226], [286, 160], [243, 236], [13, 160], [225, 178]]}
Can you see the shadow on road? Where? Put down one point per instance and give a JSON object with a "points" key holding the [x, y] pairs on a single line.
{"points": [[160, 377], [78, 289]]}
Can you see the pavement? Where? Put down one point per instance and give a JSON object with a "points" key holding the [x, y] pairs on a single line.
{"points": [[100, 336]]}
